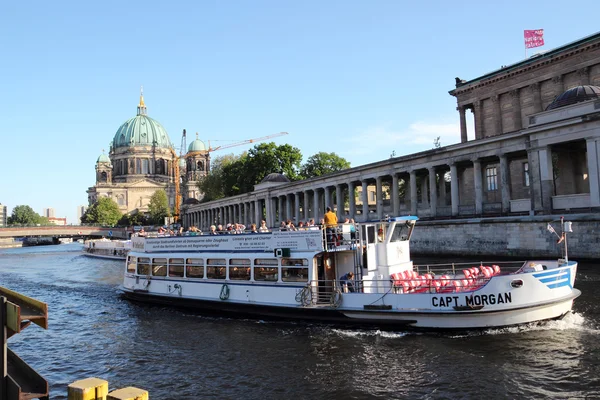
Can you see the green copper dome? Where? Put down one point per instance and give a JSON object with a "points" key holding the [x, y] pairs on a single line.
{"points": [[141, 130], [103, 159], [197, 145]]}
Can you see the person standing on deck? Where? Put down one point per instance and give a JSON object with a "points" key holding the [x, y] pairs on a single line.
{"points": [[330, 220]]}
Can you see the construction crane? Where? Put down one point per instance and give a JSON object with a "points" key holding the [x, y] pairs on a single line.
{"points": [[260, 139], [176, 159]]}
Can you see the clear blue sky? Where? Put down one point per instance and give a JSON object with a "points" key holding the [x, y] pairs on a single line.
{"points": [[360, 78]]}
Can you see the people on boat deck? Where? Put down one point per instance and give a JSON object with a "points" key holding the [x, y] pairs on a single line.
{"points": [[213, 230], [283, 226], [330, 220], [290, 225], [253, 228], [263, 226], [347, 280]]}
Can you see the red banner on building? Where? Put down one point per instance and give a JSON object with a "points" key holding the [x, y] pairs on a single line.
{"points": [[534, 38]]}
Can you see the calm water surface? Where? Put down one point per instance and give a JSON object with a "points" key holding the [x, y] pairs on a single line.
{"points": [[179, 355]]}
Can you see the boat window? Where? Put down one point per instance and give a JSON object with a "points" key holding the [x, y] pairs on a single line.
{"points": [[194, 268], [159, 266], [239, 261], [294, 261], [239, 269], [143, 267], [294, 274], [239, 273], [400, 232], [370, 233], [266, 261], [215, 268], [176, 267], [131, 263], [265, 274]]}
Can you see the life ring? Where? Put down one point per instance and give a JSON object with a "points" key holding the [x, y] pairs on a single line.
{"points": [[304, 296], [224, 295], [336, 298]]}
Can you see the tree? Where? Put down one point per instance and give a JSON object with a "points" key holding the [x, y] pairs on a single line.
{"points": [[266, 158], [104, 211], [158, 207], [322, 164], [212, 185], [136, 218], [24, 215]]}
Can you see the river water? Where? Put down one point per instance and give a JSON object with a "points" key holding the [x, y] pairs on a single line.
{"points": [[180, 355]]}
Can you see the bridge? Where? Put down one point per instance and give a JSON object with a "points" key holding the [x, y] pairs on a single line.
{"points": [[63, 231]]}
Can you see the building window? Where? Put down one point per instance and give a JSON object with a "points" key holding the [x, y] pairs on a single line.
{"points": [[526, 174], [492, 178], [145, 166], [371, 197]]}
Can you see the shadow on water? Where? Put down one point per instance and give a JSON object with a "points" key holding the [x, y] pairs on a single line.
{"points": [[177, 354]]}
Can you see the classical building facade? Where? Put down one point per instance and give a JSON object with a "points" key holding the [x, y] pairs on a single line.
{"points": [[534, 152], [142, 160], [3, 215]]}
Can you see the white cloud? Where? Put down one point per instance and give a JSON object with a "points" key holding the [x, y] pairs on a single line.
{"points": [[377, 142]]}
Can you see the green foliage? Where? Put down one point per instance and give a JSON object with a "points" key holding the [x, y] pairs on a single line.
{"points": [[24, 215], [158, 207], [104, 212], [133, 219], [322, 164], [232, 175], [266, 158], [212, 185]]}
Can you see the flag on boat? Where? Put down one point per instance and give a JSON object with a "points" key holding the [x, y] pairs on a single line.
{"points": [[534, 38], [550, 228]]}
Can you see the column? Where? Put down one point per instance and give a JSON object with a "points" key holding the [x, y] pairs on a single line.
{"points": [[315, 210], [269, 206], [504, 184], [478, 187], [327, 195], [413, 192], [297, 207], [432, 192], [559, 84], [379, 204], [351, 200], [394, 196], [257, 212], [365, 201], [339, 202], [516, 108], [463, 124], [280, 215], [584, 76], [546, 178], [593, 171], [305, 205], [454, 189], [497, 114], [537, 97], [288, 208], [442, 188], [478, 120]]}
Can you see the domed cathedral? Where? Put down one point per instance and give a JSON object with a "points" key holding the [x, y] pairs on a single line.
{"points": [[141, 160], [193, 168]]}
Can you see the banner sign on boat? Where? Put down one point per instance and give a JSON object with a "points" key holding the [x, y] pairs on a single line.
{"points": [[295, 241]]}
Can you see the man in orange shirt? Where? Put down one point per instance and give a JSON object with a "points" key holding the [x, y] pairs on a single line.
{"points": [[330, 224]]}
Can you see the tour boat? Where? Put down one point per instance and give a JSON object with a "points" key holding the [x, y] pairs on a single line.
{"points": [[105, 248], [296, 275]]}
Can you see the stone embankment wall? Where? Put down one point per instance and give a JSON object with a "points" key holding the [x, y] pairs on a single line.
{"points": [[9, 242], [508, 237]]}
